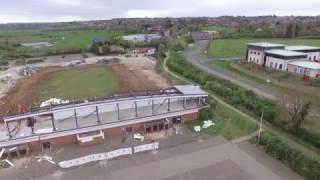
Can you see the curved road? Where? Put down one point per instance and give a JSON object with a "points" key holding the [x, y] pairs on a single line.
{"points": [[201, 61]]}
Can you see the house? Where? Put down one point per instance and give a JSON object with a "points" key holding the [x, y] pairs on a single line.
{"points": [[313, 52], [256, 51], [279, 58], [142, 51], [306, 68]]}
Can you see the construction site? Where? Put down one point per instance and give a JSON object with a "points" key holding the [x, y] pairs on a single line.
{"points": [[135, 100]]}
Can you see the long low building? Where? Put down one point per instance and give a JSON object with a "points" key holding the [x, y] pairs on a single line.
{"points": [[279, 58], [305, 68], [256, 51], [312, 52], [85, 122]]}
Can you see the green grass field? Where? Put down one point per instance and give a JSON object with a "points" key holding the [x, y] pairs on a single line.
{"points": [[228, 48], [221, 29], [229, 124], [63, 40], [77, 84]]}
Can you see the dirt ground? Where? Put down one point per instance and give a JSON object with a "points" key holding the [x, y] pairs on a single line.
{"points": [[134, 74]]}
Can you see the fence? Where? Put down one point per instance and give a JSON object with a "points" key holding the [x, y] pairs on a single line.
{"points": [[108, 155]]}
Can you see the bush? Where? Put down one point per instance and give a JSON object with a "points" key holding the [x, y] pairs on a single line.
{"points": [[3, 62], [307, 167], [309, 137]]}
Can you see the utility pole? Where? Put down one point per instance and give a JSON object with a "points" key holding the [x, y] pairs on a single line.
{"points": [[260, 127]]}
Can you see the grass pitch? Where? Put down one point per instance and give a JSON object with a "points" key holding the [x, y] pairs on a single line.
{"points": [[77, 83]]}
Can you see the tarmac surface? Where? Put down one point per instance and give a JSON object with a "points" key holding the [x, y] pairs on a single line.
{"points": [[180, 157]]}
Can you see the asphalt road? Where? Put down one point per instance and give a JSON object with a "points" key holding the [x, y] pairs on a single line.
{"points": [[201, 62], [212, 158]]}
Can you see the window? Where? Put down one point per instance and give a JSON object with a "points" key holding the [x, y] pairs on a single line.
{"points": [[258, 53], [276, 65], [315, 58], [271, 64], [280, 66]]}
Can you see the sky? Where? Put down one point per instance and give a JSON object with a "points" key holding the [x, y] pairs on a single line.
{"points": [[12, 11]]}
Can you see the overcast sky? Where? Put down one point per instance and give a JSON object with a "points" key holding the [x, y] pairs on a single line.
{"points": [[74, 10]]}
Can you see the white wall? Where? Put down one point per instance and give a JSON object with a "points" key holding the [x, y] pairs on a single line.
{"points": [[313, 56], [276, 63], [255, 56]]}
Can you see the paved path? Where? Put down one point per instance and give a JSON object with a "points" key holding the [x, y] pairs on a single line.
{"points": [[201, 62]]}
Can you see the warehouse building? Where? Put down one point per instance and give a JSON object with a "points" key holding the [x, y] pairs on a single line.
{"points": [[142, 37], [256, 51], [312, 52], [279, 58], [91, 121], [305, 68]]}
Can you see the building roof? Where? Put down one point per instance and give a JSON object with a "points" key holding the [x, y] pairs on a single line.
{"points": [[301, 48], [285, 53], [306, 64], [190, 90], [265, 44]]}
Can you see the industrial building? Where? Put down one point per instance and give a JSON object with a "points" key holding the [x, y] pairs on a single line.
{"points": [[141, 37], [296, 59], [256, 51], [279, 58], [312, 52], [93, 121], [305, 68]]}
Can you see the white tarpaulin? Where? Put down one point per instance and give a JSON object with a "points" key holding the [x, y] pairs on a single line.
{"points": [[108, 155], [83, 160], [119, 152], [95, 157], [146, 147]]}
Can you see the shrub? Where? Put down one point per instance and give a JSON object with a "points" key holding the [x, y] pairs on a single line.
{"points": [[307, 167]]}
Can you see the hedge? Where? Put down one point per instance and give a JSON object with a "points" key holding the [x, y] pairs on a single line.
{"points": [[307, 167]]}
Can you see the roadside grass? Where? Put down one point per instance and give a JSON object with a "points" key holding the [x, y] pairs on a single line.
{"points": [[77, 84], [228, 123], [67, 40], [230, 48]]}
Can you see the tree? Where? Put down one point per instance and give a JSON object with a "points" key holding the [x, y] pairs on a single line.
{"points": [[294, 110], [162, 50]]}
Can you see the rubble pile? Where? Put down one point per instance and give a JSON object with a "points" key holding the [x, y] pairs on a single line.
{"points": [[108, 61], [53, 101], [28, 70]]}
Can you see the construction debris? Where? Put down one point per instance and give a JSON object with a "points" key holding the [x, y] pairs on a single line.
{"points": [[108, 61], [138, 136], [28, 70], [53, 101], [2, 151], [45, 158], [6, 164], [197, 128], [207, 124]]}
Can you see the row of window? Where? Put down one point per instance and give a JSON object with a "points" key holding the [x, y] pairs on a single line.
{"points": [[275, 65], [254, 52], [314, 58], [256, 60], [299, 70]]}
